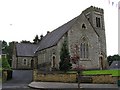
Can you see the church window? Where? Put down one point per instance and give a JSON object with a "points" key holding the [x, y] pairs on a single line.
{"points": [[81, 50], [84, 51], [53, 61], [83, 26], [25, 61], [98, 22], [88, 19]]}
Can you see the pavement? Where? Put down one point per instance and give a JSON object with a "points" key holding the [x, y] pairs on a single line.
{"points": [[74, 86], [20, 80]]}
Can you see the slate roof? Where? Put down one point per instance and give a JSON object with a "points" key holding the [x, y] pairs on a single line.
{"points": [[25, 49], [115, 65], [53, 37]]}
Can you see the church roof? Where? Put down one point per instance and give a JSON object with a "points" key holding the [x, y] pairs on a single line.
{"points": [[25, 49], [53, 37]]}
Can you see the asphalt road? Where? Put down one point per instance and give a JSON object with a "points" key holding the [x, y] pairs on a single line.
{"points": [[20, 80]]}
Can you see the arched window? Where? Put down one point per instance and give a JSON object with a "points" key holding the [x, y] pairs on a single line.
{"points": [[24, 61], [84, 49], [32, 63], [53, 61], [83, 26]]}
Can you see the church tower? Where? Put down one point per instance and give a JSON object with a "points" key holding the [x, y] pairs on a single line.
{"points": [[96, 18]]}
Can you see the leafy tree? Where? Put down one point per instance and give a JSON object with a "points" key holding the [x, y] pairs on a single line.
{"points": [[36, 39], [113, 58], [65, 64], [5, 64], [10, 52], [4, 47], [6, 55]]}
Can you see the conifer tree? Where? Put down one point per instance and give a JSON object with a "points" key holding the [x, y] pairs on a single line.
{"points": [[64, 64]]}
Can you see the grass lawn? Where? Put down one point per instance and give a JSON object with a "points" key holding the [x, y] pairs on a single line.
{"points": [[96, 72]]}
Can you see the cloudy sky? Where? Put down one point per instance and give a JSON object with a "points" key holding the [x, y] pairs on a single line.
{"points": [[23, 19]]}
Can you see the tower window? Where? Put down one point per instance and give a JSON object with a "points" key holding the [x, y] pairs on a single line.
{"points": [[83, 26], [97, 22]]}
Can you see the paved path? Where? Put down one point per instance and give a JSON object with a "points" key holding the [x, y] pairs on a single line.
{"points": [[20, 80], [56, 85]]}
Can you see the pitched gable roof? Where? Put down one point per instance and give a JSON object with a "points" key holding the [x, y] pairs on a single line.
{"points": [[53, 37], [25, 49]]}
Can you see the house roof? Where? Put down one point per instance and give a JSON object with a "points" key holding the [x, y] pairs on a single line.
{"points": [[115, 65], [25, 49], [53, 37]]}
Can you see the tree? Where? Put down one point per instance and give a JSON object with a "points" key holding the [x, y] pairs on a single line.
{"points": [[25, 41], [113, 58], [4, 47], [64, 64], [7, 54], [36, 39], [5, 64], [10, 52]]}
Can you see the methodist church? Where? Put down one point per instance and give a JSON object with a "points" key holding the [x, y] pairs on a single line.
{"points": [[86, 31]]}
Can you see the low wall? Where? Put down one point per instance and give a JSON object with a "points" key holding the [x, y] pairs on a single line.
{"points": [[104, 79], [55, 77], [63, 77], [6, 75]]}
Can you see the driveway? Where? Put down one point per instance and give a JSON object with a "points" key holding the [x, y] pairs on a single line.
{"points": [[21, 79]]}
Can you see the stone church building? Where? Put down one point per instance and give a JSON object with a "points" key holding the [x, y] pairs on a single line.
{"points": [[87, 31]]}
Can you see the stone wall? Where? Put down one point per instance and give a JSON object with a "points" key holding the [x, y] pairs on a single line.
{"points": [[21, 65], [63, 77], [103, 79], [55, 77], [6, 75], [45, 58], [78, 35]]}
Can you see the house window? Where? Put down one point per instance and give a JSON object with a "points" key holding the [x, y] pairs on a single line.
{"points": [[98, 22], [24, 61], [84, 53]]}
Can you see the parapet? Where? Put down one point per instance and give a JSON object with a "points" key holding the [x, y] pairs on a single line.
{"points": [[92, 8]]}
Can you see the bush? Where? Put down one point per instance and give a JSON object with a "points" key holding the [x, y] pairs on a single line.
{"points": [[5, 64]]}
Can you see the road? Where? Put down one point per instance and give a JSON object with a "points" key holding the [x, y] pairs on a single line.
{"points": [[20, 80]]}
